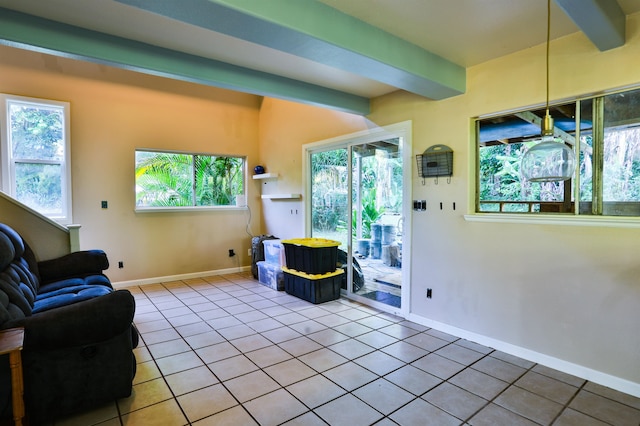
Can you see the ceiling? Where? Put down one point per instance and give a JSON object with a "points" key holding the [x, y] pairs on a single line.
{"points": [[333, 53]]}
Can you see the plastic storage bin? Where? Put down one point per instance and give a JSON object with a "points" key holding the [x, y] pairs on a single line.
{"points": [[311, 255], [270, 275], [314, 288], [274, 252]]}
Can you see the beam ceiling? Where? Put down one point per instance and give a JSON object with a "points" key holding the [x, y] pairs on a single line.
{"points": [[307, 51], [602, 21], [43, 35], [315, 31]]}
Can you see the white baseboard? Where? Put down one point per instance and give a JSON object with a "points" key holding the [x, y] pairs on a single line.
{"points": [[613, 382], [157, 280], [595, 376]]}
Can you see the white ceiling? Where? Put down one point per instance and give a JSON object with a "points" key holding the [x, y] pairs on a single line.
{"points": [[465, 32]]}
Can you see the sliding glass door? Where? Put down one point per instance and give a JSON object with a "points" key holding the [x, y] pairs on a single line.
{"points": [[357, 197]]}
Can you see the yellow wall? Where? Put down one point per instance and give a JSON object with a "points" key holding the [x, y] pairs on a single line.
{"points": [[47, 240], [567, 292], [284, 128], [112, 113], [567, 296]]}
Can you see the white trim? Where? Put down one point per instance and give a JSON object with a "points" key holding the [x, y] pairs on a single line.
{"points": [[74, 237], [157, 280], [185, 209], [192, 207], [36, 213], [595, 376], [266, 176], [556, 219], [586, 373], [7, 178]]}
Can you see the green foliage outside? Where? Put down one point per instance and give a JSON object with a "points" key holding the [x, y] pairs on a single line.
{"points": [[381, 191], [499, 173], [621, 177], [500, 180], [329, 189], [178, 180], [370, 214], [37, 136]]}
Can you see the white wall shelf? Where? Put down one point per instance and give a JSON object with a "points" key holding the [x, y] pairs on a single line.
{"points": [[281, 196], [275, 196], [266, 176]]}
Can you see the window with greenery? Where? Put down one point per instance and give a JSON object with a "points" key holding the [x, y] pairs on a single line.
{"points": [[607, 132], [174, 179], [377, 181], [35, 154]]}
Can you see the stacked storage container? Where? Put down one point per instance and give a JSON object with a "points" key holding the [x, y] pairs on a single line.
{"points": [[270, 270], [311, 272]]}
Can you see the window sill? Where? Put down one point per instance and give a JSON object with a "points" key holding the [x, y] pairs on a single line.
{"points": [[556, 219], [187, 209]]}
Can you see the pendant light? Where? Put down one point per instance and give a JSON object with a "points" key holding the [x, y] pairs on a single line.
{"points": [[550, 160]]}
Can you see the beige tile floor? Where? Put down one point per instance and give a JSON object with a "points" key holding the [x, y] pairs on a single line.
{"points": [[226, 350]]}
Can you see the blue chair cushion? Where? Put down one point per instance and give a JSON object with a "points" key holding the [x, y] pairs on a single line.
{"points": [[68, 295], [72, 282]]}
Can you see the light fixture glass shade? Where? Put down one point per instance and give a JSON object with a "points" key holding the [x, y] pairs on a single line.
{"points": [[548, 161]]}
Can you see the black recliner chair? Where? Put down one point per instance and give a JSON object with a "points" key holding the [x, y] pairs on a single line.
{"points": [[79, 333]]}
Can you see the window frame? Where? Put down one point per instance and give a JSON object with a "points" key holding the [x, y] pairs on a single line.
{"points": [[8, 163], [571, 218], [193, 154]]}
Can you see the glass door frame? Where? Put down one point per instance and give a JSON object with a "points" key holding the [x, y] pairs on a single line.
{"points": [[401, 130]]}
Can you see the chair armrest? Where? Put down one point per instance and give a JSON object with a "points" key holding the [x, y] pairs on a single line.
{"points": [[82, 323], [76, 264]]}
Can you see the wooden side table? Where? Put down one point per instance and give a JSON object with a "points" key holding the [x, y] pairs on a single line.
{"points": [[11, 341]]}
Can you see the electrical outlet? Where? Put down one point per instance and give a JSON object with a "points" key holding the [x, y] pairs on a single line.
{"points": [[104, 204], [429, 293], [249, 252], [121, 264], [231, 253]]}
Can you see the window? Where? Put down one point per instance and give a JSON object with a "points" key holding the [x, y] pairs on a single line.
{"points": [[35, 154], [174, 179], [607, 132]]}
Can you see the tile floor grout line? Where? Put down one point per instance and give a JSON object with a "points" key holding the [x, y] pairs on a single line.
{"points": [[318, 372], [509, 384], [164, 378], [488, 355], [574, 396], [347, 392], [153, 357], [377, 376], [508, 387], [235, 286], [221, 382], [309, 409], [566, 405]]}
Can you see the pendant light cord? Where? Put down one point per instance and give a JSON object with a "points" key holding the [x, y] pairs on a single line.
{"points": [[548, 42], [546, 127]]}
